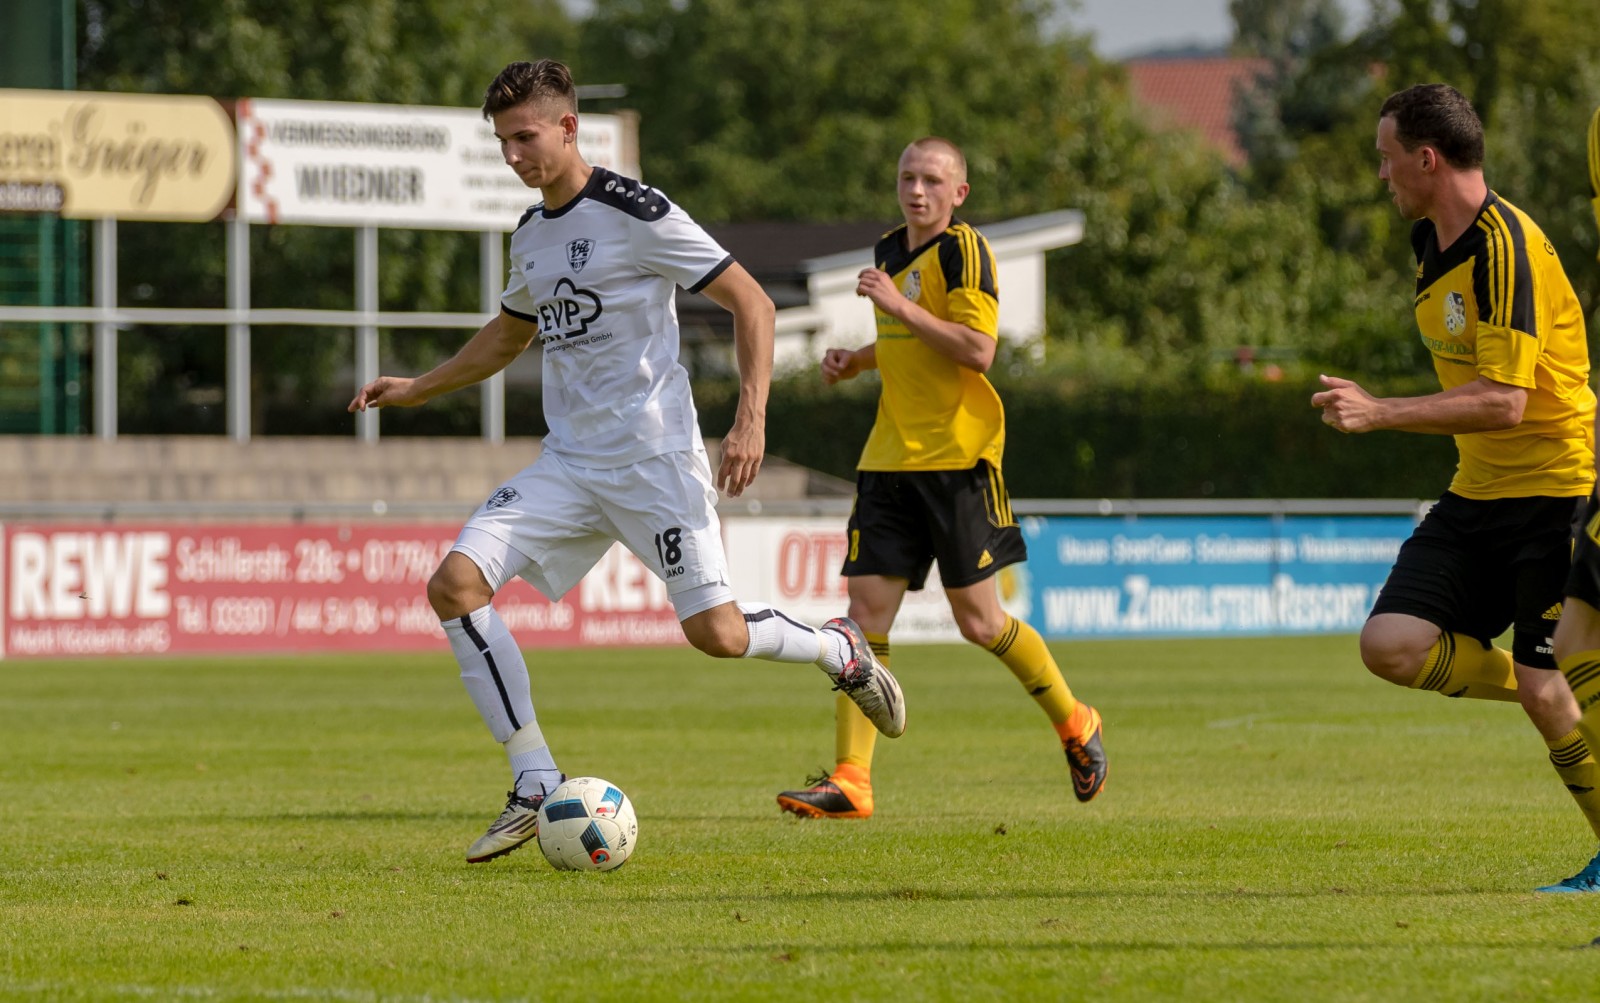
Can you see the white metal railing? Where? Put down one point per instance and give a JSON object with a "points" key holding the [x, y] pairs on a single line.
{"points": [[106, 317]]}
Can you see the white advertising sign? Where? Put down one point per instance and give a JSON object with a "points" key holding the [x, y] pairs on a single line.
{"points": [[793, 564], [335, 164]]}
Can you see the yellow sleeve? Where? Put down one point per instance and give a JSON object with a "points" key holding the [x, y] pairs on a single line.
{"points": [[972, 295], [1507, 355], [975, 309]]}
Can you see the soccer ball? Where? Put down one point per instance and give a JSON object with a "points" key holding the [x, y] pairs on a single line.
{"points": [[587, 824]]}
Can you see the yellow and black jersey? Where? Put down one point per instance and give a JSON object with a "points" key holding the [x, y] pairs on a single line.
{"points": [[1594, 165], [1496, 304], [934, 414]]}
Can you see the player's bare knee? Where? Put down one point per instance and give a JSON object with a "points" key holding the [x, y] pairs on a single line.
{"points": [[720, 632], [720, 647], [1389, 661], [869, 614], [443, 596], [979, 630], [719, 643], [456, 590]]}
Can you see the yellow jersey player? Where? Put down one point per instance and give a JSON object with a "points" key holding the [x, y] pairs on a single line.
{"points": [[1578, 634], [1506, 334], [928, 486]]}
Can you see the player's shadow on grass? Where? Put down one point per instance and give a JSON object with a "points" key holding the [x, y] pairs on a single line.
{"points": [[377, 815]]}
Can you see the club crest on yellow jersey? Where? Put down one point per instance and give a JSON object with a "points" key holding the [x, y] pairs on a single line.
{"points": [[1455, 314], [913, 289]]}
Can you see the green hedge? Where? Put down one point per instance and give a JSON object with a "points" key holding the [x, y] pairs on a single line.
{"points": [[1178, 440]]}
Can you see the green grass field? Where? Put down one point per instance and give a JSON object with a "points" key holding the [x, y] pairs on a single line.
{"points": [[1278, 825]]}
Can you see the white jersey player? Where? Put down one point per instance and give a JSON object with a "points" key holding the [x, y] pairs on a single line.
{"points": [[594, 272]]}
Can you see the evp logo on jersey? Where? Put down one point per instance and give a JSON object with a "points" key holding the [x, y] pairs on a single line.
{"points": [[578, 252], [567, 313]]}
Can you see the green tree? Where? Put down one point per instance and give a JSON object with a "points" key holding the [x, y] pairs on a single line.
{"points": [[426, 52], [1528, 65], [798, 110]]}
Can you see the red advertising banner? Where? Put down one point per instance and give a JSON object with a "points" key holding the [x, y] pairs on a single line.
{"points": [[80, 590]]}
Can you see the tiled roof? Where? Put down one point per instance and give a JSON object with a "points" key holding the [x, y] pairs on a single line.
{"points": [[1196, 93]]}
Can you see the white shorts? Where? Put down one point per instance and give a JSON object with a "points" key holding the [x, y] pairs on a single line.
{"points": [[553, 521]]}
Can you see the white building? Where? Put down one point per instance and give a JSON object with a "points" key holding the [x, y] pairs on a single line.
{"points": [[814, 287]]}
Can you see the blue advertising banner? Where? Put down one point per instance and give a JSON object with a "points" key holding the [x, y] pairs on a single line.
{"points": [[1202, 575]]}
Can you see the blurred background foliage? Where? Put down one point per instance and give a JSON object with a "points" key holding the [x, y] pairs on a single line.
{"points": [[797, 110]]}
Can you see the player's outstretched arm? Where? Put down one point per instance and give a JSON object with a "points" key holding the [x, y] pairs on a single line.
{"points": [[494, 346], [1483, 405], [745, 445]]}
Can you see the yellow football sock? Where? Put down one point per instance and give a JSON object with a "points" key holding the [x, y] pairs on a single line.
{"points": [[854, 736], [1023, 651], [1459, 666], [1575, 766], [1583, 675]]}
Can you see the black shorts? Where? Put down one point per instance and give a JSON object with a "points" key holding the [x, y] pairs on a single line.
{"points": [[905, 520], [1583, 581], [1476, 567]]}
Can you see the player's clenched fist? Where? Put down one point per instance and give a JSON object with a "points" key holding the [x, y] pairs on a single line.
{"points": [[839, 364], [387, 391]]}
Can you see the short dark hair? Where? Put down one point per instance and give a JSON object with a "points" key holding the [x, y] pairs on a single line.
{"points": [[519, 83], [1439, 116]]}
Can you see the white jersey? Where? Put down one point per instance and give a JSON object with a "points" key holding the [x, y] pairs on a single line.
{"points": [[599, 276]]}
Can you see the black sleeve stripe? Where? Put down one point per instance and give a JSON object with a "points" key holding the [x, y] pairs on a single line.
{"points": [[986, 267], [952, 259], [1484, 276], [529, 214], [1493, 256], [980, 262], [1482, 289], [1511, 276], [966, 261], [711, 276], [519, 315]]}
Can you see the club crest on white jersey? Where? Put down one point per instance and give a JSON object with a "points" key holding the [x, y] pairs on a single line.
{"points": [[578, 252]]}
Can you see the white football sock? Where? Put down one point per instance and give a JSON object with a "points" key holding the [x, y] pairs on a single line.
{"points": [[835, 652], [533, 769], [776, 637], [493, 671]]}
